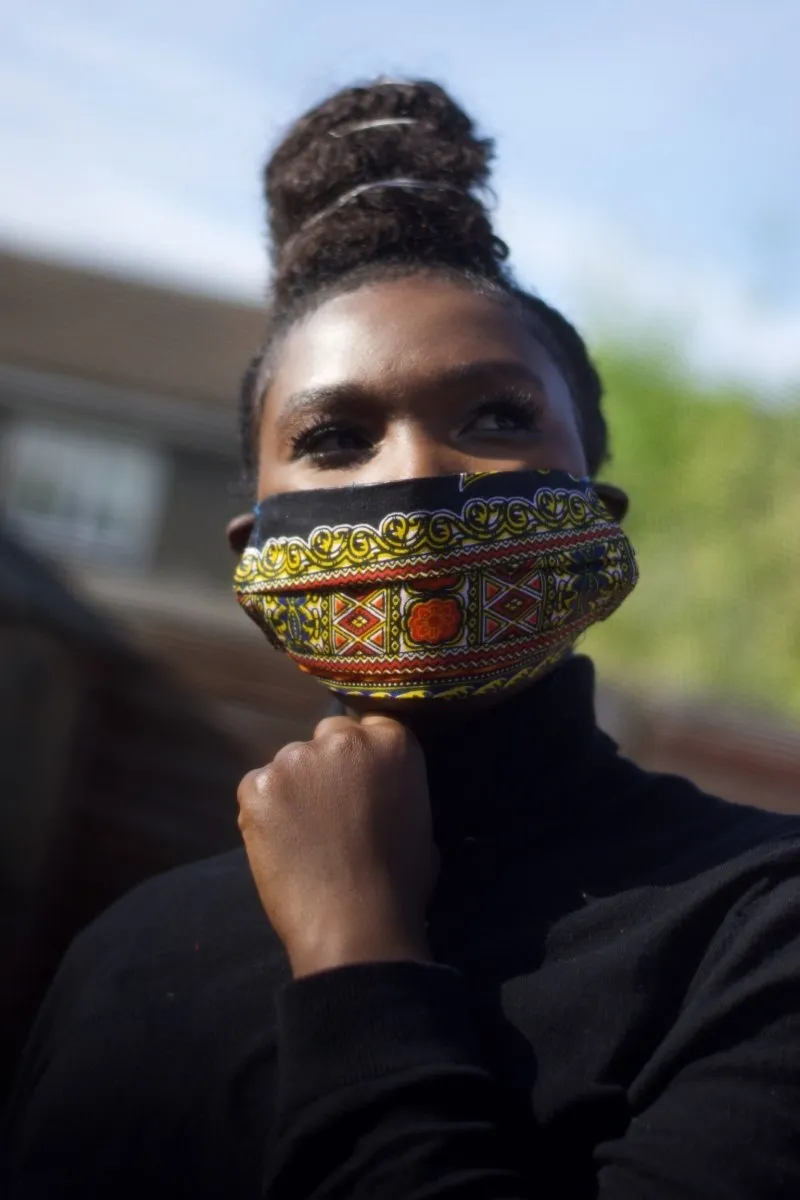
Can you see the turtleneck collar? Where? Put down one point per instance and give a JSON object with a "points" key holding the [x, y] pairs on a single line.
{"points": [[514, 768]]}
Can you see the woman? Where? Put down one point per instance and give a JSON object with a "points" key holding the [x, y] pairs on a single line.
{"points": [[484, 956]]}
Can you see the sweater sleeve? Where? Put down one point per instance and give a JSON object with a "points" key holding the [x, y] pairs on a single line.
{"points": [[383, 1096], [716, 1115], [382, 1093]]}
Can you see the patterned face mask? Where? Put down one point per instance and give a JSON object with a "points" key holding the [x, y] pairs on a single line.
{"points": [[445, 588]]}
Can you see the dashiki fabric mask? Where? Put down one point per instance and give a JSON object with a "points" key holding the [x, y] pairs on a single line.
{"points": [[446, 588]]}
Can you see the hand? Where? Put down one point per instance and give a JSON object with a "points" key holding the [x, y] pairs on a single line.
{"points": [[338, 836]]}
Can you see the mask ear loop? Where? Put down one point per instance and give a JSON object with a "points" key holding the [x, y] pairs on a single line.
{"points": [[615, 500]]}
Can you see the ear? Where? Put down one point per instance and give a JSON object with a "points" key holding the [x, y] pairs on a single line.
{"points": [[238, 531], [615, 500]]}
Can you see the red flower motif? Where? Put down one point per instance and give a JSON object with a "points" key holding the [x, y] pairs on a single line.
{"points": [[431, 622]]}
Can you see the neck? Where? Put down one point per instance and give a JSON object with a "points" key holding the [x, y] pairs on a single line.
{"points": [[497, 774]]}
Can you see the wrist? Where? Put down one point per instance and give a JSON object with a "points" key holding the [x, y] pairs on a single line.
{"points": [[347, 947]]}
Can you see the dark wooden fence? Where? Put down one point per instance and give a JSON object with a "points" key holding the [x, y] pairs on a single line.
{"points": [[111, 771]]}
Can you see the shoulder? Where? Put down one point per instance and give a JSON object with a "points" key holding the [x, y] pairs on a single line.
{"points": [[170, 991], [202, 910], [183, 891], [171, 940], [182, 950], [663, 829]]}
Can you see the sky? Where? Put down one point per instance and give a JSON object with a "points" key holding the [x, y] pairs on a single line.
{"points": [[648, 174]]}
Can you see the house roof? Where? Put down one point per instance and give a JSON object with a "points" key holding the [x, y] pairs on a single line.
{"points": [[70, 321]]}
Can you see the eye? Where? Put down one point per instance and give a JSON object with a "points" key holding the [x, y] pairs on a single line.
{"points": [[331, 445], [509, 413]]}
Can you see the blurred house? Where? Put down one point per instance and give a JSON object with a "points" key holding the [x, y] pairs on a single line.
{"points": [[119, 445], [119, 459]]}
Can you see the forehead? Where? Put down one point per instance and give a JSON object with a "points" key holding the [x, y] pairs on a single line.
{"points": [[398, 334]]}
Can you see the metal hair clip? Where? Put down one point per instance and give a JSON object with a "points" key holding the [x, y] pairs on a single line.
{"points": [[411, 185], [378, 123]]}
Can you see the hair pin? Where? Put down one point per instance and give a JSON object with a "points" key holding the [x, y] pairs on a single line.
{"points": [[410, 185], [378, 123]]}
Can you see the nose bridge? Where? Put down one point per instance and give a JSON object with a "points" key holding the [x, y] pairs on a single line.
{"points": [[414, 451]]}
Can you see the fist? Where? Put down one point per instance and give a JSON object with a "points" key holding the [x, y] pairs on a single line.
{"points": [[338, 836]]}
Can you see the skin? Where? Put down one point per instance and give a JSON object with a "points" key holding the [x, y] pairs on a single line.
{"points": [[396, 380]]}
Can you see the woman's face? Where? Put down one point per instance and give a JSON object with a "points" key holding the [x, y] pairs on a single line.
{"points": [[409, 379], [412, 378]]}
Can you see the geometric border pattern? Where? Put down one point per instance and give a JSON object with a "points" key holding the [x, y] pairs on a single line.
{"points": [[552, 519]]}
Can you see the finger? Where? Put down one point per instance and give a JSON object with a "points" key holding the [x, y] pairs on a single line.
{"points": [[381, 722], [380, 725], [388, 729], [331, 725]]}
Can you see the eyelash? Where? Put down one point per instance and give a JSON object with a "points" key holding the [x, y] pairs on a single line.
{"points": [[303, 442], [511, 402]]}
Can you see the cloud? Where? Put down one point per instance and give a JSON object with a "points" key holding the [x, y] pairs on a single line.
{"points": [[120, 152]]}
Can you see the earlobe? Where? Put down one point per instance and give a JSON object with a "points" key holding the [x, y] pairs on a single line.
{"points": [[238, 531], [615, 500]]}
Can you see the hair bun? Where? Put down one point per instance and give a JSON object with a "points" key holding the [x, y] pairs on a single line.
{"points": [[368, 135]]}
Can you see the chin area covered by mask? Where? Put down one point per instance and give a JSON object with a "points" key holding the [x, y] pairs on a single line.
{"points": [[447, 588]]}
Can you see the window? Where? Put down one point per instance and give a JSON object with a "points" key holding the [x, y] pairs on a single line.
{"points": [[82, 495]]}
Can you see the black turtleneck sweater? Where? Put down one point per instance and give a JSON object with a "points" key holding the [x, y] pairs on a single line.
{"points": [[614, 1009]]}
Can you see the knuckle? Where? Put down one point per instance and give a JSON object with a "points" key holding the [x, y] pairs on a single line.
{"points": [[252, 792], [388, 730], [292, 756], [327, 725], [253, 785], [342, 741], [396, 734], [395, 738]]}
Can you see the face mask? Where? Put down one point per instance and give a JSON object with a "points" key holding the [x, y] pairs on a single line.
{"points": [[444, 588]]}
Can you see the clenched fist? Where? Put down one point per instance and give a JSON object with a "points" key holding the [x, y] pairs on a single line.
{"points": [[338, 836]]}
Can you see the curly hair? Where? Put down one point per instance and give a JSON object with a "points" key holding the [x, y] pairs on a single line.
{"points": [[383, 181]]}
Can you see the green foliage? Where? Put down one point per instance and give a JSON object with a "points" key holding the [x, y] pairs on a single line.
{"points": [[714, 480]]}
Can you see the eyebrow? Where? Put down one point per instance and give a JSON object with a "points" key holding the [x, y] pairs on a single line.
{"points": [[325, 398], [483, 372], [488, 371]]}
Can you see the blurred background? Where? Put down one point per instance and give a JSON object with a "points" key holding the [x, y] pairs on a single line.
{"points": [[649, 184]]}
